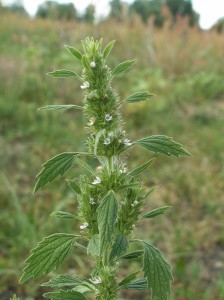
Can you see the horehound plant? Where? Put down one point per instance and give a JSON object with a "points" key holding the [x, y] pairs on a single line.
{"points": [[110, 198]]}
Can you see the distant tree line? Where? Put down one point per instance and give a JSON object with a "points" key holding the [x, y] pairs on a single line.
{"points": [[66, 11], [155, 8], [119, 10], [16, 7]]}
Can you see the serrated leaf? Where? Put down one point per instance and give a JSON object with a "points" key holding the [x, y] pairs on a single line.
{"points": [[54, 167], [119, 246], [59, 107], [74, 52], [74, 186], [156, 212], [49, 254], [123, 67], [63, 73], [106, 216], [138, 97], [108, 49], [157, 271], [128, 279], [93, 247], [65, 295], [163, 144], [63, 215], [141, 168], [138, 284], [62, 281], [132, 255], [85, 166]]}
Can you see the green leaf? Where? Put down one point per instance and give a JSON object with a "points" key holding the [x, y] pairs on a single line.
{"points": [[132, 255], [14, 297], [65, 295], [138, 284], [74, 186], [152, 190], [128, 279], [157, 271], [81, 247], [62, 281], [106, 216], [108, 49], [85, 166], [54, 167], [85, 62], [156, 212], [119, 247], [83, 289], [49, 254], [137, 97], [59, 107], [163, 144], [97, 139], [129, 185], [93, 247], [63, 73], [141, 168], [63, 215], [74, 52], [123, 67]]}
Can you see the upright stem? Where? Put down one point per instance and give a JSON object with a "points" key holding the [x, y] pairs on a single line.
{"points": [[107, 271], [110, 164]]}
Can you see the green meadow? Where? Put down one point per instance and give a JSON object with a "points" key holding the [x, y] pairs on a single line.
{"points": [[183, 68]]}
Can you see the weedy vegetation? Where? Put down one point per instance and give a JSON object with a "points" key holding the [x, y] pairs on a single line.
{"points": [[110, 197], [181, 67]]}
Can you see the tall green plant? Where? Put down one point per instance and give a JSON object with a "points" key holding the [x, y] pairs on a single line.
{"points": [[110, 198]]}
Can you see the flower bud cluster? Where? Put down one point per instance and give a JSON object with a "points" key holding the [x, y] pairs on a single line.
{"points": [[106, 288], [101, 103], [132, 203]]}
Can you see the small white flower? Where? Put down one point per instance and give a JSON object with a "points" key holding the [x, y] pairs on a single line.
{"points": [[91, 201], [92, 64], [96, 280], [133, 226], [85, 85], [134, 203], [99, 168], [127, 142], [97, 180], [91, 121], [107, 141], [111, 134], [84, 225], [124, 170], [108, 117]]}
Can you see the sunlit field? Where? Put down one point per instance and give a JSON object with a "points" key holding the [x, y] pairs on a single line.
{"points": [[184, 68]]}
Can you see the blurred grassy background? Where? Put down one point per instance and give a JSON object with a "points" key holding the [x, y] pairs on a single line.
{"points": [[184, 68]]}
